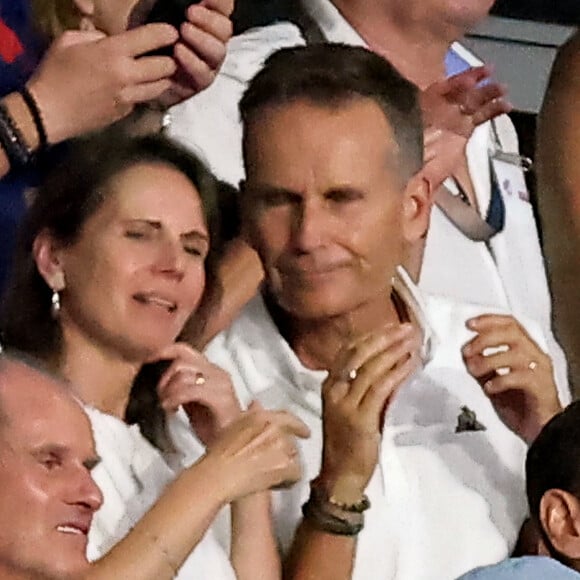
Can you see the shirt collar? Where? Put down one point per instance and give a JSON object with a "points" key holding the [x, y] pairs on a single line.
{"points": [[309, 381], [411, 296]]}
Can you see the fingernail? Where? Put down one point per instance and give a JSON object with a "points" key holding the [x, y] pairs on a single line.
{"points": [[487, 385], [471, 323]]}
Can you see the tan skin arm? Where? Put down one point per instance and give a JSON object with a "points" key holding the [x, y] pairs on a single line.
{"points": [[211, 407], [251, 455], [254, 552], [87, 81], [558, 173], [353, 411]]}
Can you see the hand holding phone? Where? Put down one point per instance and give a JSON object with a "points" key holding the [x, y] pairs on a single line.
{"points": [[171, 12]]}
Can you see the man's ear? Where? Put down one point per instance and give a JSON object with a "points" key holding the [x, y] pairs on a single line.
{"points": [[560, 519], [416, 208], [49, 261]]}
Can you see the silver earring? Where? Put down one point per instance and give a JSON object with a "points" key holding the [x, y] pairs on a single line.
{"points": [[55, 306]]}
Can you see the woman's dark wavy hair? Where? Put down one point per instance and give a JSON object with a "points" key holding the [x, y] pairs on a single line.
{"points": [[71, 193]]}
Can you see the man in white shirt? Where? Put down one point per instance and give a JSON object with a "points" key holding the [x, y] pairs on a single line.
{"points": [[482, 246], [342, 337]]}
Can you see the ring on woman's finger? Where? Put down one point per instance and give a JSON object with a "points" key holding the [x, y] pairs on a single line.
{"points": [[533, 365], [199, 378]]}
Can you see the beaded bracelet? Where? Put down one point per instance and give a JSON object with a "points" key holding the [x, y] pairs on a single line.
{"points": [[12, 141], [337, 523], [36, 117], [332, 516]]}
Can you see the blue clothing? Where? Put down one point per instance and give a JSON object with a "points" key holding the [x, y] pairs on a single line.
{"points": [[454, 64], [526, 568], [19, 54]]}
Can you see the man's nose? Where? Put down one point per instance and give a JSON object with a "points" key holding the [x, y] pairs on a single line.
{"points": [[308, 226], [84, 491]]}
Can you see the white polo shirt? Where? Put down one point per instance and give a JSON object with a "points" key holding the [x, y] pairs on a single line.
{"points": [[442, 502]]}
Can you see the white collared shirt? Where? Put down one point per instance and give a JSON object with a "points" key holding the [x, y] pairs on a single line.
{"points": [[132, 475], [442, 502]]}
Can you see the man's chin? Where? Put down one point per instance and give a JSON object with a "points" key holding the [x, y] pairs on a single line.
{"points": [[303, 308]]}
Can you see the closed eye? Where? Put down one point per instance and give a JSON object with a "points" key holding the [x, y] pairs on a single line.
{"points": [[277, 197], [196, 251], [51, 461], [343, 195], [136, 235]]}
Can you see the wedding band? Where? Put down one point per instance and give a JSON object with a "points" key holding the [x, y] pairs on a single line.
{"points": [[199, 378], [533, 365]]}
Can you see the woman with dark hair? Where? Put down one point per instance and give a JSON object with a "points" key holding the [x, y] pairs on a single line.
{"points": [[112, 263]]}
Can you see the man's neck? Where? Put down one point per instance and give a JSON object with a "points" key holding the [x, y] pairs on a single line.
{"points": [[316, 342], [414, 47], [98, 376]]}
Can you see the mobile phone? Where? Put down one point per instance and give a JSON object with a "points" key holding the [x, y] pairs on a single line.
{"points": [[171, 12]]}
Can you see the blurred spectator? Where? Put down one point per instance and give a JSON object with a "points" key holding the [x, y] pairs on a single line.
{"points": [[558, 172]]}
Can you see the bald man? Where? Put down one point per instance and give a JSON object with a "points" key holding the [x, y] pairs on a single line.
{"points": [[47, 494]]}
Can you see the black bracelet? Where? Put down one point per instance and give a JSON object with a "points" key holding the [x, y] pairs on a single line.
{"points": [[36, 117], [12, 141], [332, 523]]}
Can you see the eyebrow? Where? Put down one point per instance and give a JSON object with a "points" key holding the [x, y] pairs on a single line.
{"points": [[50, 449], [62, 450], [92, 462], [157, 225]]}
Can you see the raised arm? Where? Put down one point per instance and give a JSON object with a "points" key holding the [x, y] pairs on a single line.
{"points": [[356, 396], [87, 81], [205, 392]]}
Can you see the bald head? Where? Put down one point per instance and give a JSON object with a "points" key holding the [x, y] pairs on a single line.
{"points": [[24, 379], [47, 452]]}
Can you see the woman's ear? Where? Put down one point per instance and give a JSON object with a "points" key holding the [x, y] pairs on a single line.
{"points": [[417, 204], [560, 518], [48, 260]]}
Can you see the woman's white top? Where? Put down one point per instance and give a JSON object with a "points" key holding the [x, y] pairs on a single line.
{"points": [[132, 475]]}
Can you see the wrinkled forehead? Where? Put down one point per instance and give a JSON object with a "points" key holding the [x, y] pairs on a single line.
{"points": [[352, 137]]}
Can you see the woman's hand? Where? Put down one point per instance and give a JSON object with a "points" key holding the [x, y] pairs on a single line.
{"points": [[452, 108], [203, 389], [257, 452], [514, 372], [364, 380]]}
